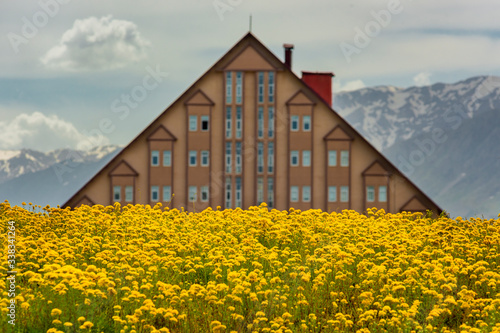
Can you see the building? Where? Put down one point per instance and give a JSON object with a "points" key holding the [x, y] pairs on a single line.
{"points": [[250, 131]]}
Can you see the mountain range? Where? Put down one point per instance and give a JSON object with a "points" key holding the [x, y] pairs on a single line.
{"points": [[49, 178], [444, 137]]}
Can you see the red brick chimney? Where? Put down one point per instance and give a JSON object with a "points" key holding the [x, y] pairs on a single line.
{"points": [[321, 83]]}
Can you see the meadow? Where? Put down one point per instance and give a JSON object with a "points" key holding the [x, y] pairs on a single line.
{"points": [[137, 269]]}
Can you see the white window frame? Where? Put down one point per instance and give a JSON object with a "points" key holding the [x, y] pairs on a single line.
{"points": [[260, 122], [117, 190], [306, 120], [239, 87], [332, 158], [205, 158], [239, 120], [192, 193], [229, 149], [294, 155], [260, 87], [306, 193], [167, 193], [155, 156], [370, 193], [204, 192], [193, 123], [229, 87], [155, 190], [294, 194], [270, 157], [260, 190], [238, 196], [129, 193], [193, 153], [238, 158], [228, 193], [229, 129], [332, 193], [344, 158], [270, 86], [270, 192], [167, 158], [294, 123], [382, 195], [306, 158], [270, 122], [260, 157], [344, 194]]}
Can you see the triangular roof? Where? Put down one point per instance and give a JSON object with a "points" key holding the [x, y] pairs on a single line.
{"points": [[123, 169], [376, 169], [161, 134], [338, 133], [229, 61]]}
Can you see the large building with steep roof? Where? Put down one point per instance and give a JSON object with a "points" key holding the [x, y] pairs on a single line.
{"points": [[250, 131]]}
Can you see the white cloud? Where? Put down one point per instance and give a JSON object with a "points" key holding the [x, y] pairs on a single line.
{"points": [[97, 44], [352, 85], [422, 79], [40, 132]]}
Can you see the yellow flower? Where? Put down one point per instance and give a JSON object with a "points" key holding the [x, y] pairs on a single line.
{"points": [[55, 312]]}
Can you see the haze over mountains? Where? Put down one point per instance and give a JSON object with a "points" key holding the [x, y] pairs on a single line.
{"points": [[444, 137]]}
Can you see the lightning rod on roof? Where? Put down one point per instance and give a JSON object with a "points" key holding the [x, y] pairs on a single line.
{"points": [[250, 23]]}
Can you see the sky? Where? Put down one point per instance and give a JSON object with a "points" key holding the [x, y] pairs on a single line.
{"points": [[68, 68]]}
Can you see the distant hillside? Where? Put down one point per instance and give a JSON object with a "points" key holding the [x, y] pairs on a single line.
{"points": [[444, 137], [49, 178]]}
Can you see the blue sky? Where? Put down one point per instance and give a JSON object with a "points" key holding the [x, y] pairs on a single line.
{"points": [[67, 64]]}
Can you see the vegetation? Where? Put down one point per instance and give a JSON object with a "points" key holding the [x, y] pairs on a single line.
{"points": [[147, 269]]}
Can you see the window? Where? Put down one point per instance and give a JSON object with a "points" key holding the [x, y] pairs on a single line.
{"points": [[260, 190], [192, 157], [306, 123], [270, 157], [229, 148], [155, 193], [306, 193], [306, 158], [238, 87], [370, 193], [129, 193], [270, 122], [205, 124], [260, 122], [344, 193], [260, 76], [294, 193], [382, 193], [205, 158], [229, 88], [192, 193], [167, 158], [332, 193], [294, 124], [228, 122], [294, 158], [260, 157], [117, 193], [228, 192], [238, 157], [270, 192], [238, 122], [155, 158], [167, 193], [237, 202], [332, 158], [271, 87], [344, 158], [193, 123], [204, 193]]}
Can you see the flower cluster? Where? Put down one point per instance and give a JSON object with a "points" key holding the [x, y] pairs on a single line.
{"points": [[147, 269]]}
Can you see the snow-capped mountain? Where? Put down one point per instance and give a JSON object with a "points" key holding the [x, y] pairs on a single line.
{"points": [[14, 163], [444, 137], [49, 178]]}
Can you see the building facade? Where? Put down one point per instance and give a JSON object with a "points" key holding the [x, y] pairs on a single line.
{"points": [[250, 131]]}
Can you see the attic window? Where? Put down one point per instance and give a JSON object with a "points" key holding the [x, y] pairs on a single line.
{"points": [[204, 123]]}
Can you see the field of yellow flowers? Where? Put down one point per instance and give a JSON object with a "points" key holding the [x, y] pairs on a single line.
{"points": [[151, 269]]}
